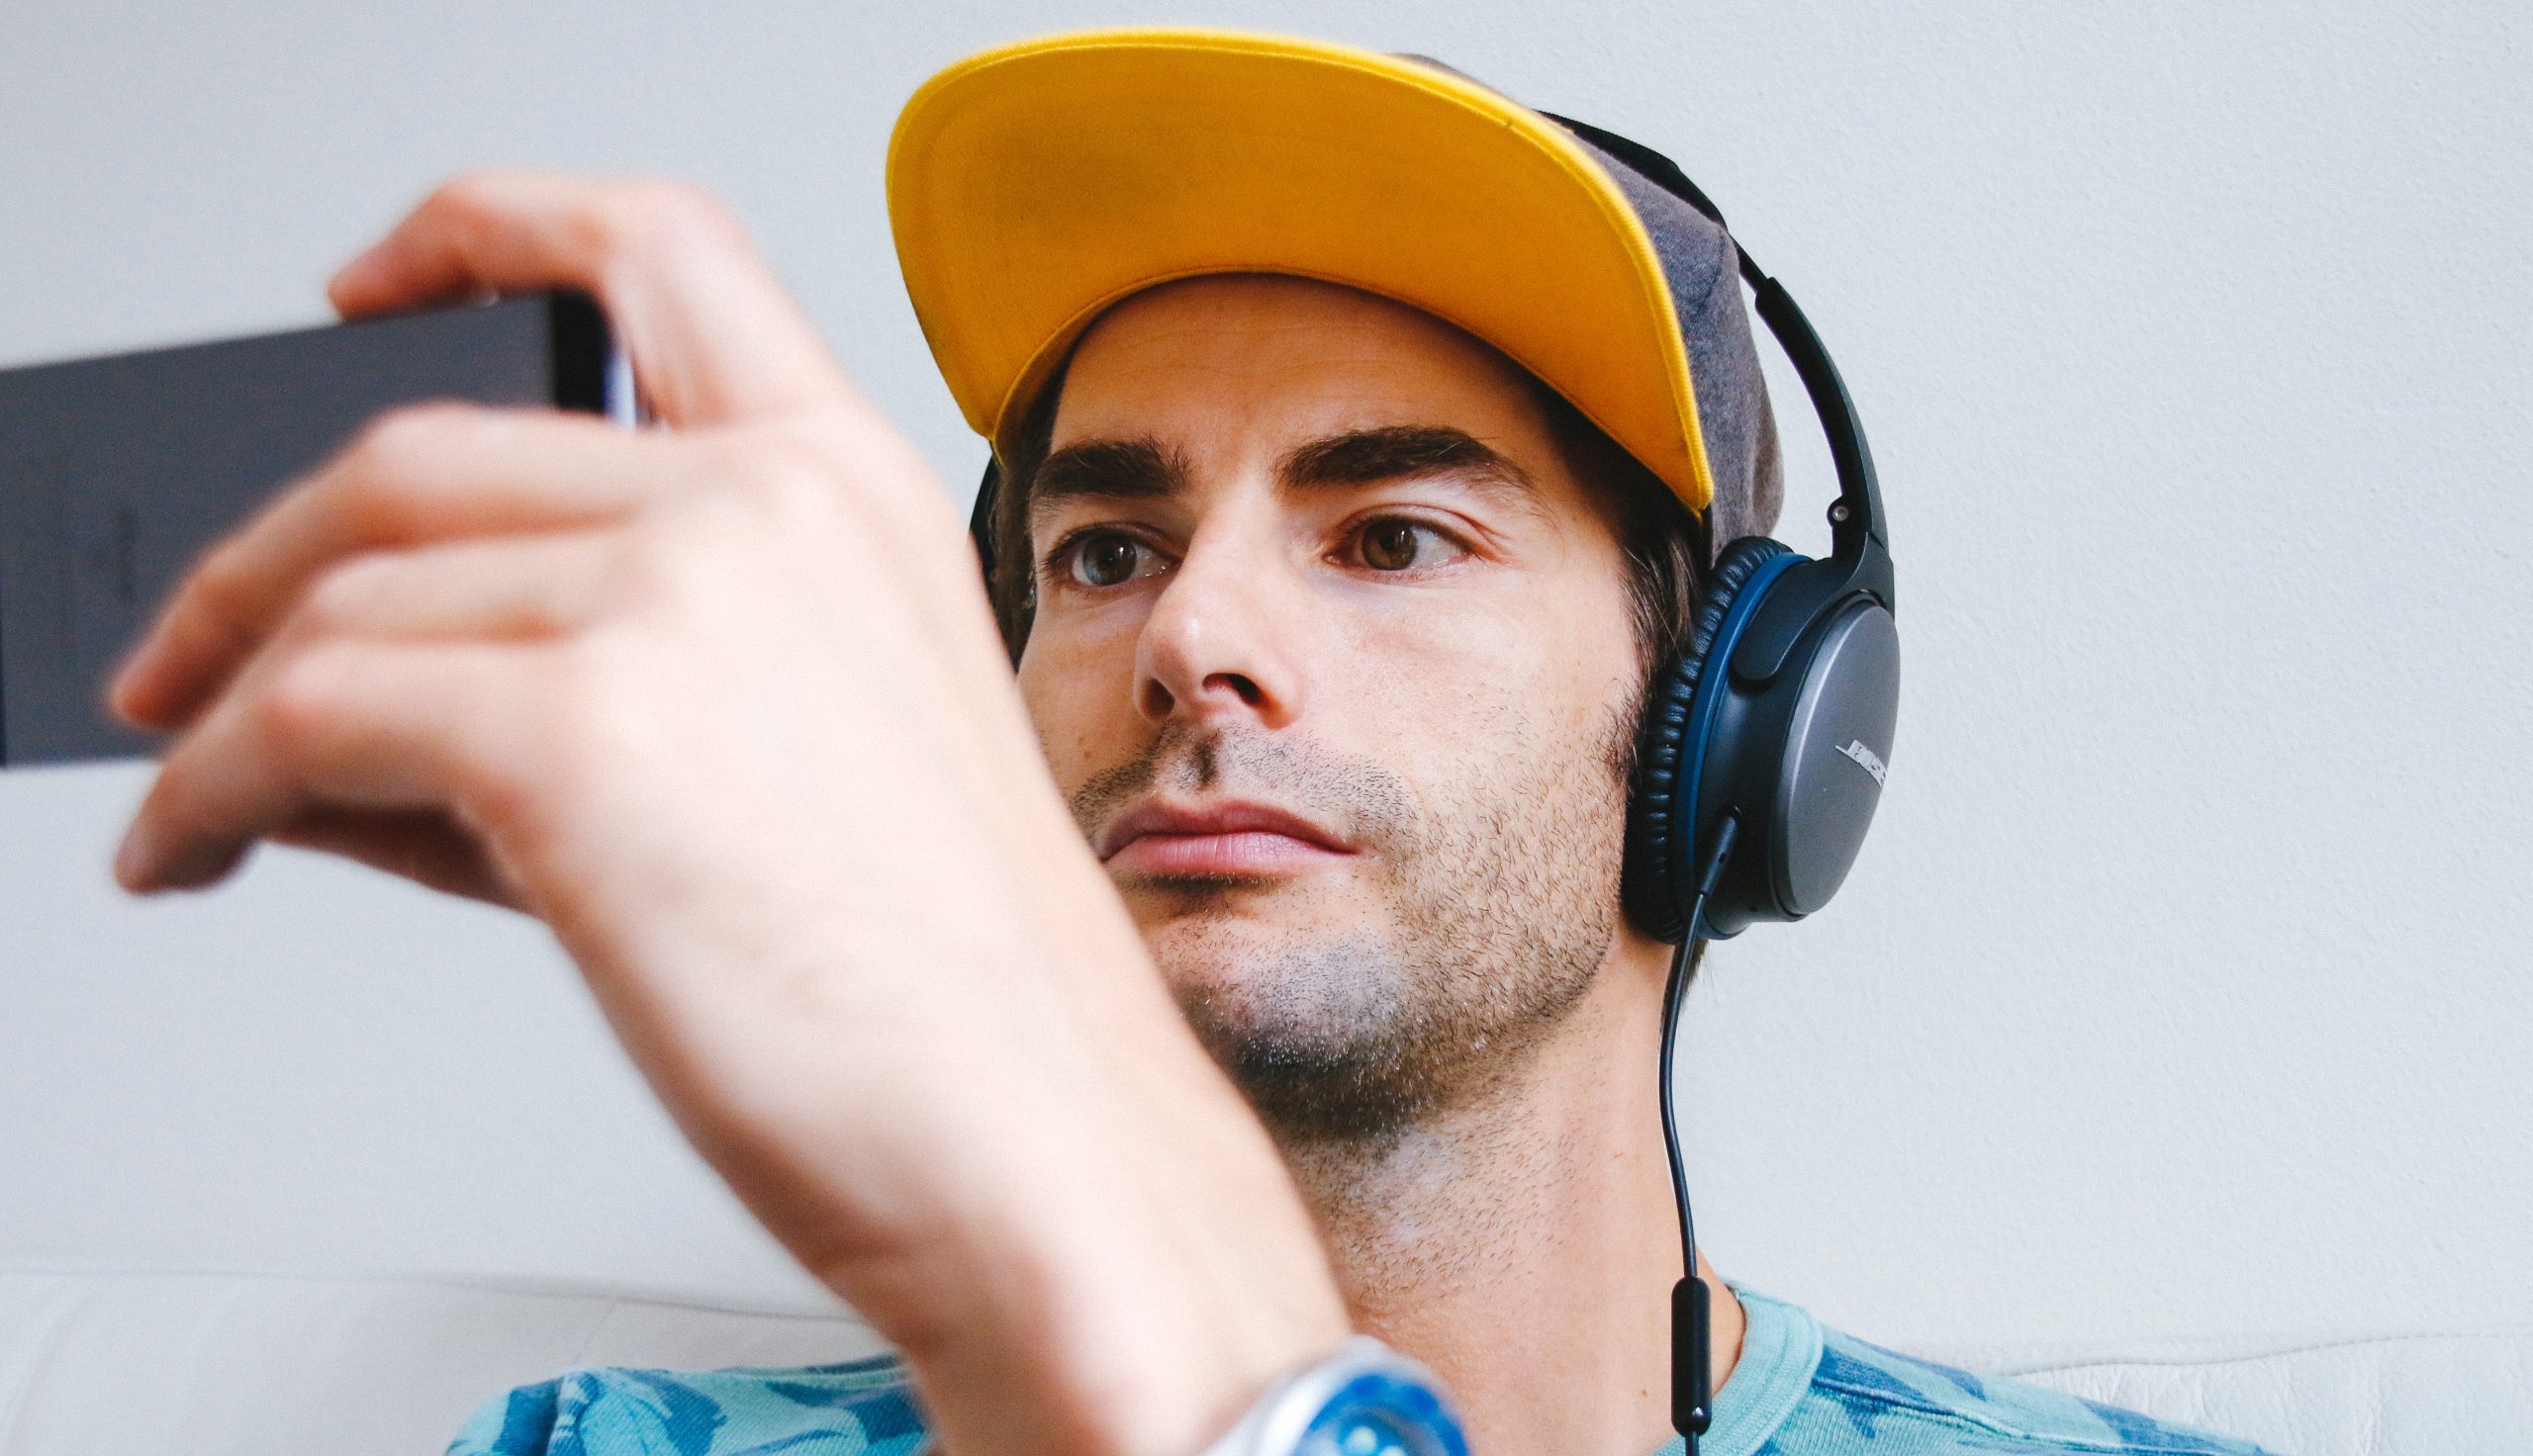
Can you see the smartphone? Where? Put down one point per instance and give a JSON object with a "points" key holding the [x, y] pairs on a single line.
{"points": [[116, 473]]}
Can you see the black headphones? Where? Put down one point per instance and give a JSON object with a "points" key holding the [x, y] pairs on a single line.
{"points": [[1764, 743], [1765, 740], [1762, 751]]}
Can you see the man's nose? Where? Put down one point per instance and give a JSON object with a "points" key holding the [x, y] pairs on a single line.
{"points": [[1218, 644]]}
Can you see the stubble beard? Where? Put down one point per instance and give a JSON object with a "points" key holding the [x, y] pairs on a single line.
{"points": [[1494, 911]]}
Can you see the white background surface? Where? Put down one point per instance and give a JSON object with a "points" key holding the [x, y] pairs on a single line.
{"points": [[2182, 988]]}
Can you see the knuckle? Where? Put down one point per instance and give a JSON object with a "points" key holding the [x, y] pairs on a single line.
{"points": [[337, 599], [221, 583], [377, 483], [680, 560], [467, 198], [471, 206], [628, 217], [791, 482], [406, 434], [385, 447], [680, 209], [761, 496], [639, 564], [587, 673], [298, 700]]}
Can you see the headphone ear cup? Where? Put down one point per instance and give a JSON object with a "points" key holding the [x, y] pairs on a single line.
{"points": [[1662, 831]]}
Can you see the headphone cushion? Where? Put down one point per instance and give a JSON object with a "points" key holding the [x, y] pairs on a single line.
{"points": [[1660, 828]]}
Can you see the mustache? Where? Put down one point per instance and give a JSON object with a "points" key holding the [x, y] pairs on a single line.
{"points": [[1348, 793]]}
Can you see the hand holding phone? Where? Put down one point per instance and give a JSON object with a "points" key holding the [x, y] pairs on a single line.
{"points": [[723, 703]]}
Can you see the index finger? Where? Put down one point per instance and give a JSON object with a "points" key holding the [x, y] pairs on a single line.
{"points": [[429, 473], [711, 335]]}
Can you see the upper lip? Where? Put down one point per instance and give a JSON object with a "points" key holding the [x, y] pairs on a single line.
{"points": [[1222, 816]]}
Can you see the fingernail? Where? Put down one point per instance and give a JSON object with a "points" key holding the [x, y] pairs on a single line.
{"points": [[204, 865], [126, 680], [141, 866], [133, 857], [352, 277]]}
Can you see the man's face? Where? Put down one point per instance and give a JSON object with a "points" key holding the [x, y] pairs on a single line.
{"points": [[1334, 659]]}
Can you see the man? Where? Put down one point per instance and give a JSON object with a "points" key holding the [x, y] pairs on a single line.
{"points": [[1332, 625]]}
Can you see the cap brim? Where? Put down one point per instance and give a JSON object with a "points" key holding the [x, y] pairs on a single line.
{"points": [[1032, 186]]}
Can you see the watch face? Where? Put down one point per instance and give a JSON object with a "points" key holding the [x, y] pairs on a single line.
{"points": [[1378, 1415]]}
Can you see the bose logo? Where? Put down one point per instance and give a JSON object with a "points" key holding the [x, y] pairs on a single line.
{"points": [[1867, 758]]}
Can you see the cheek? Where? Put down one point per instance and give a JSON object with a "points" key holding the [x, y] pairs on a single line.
{"points": [[1450, 680], [1078, 684]]}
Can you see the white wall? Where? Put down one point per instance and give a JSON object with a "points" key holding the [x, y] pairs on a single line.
{"points": [[2181, 988]]}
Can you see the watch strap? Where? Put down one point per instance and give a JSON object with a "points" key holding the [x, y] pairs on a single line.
{"points": [[1364, 1399]]}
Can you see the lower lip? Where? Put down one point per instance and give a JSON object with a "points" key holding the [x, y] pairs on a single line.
{"points": [[1247, 853]]}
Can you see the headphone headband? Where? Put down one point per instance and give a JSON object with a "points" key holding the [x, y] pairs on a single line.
{"points": [[1856, 523]]}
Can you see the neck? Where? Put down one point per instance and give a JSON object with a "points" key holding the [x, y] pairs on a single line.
{"points": [[1523, 1243]]}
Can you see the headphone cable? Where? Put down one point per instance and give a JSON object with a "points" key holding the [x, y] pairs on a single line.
{"points": [[1691, 1344]]}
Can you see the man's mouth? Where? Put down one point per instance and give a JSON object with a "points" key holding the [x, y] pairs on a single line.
{"points": [[1224, 837]]}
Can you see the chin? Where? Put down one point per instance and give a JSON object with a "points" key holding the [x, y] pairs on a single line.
{"points": [[1220, 935], [1214, 938]]}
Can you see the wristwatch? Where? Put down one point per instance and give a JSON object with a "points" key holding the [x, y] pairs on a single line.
{"points": [[1365, 1400]]}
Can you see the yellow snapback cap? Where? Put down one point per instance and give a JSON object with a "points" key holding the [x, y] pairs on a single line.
{"points": [[1033, 186]]}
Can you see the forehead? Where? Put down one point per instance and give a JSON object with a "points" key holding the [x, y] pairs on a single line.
{"points": [[1220, 361]]}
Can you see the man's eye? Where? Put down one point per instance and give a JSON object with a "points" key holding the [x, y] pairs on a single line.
{"points": [[1394, 544], [1109, 559]]}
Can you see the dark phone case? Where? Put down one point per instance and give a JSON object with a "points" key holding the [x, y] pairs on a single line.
{"points": [[116, 473]]}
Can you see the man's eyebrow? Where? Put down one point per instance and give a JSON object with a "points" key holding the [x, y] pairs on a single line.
{"points": [[1120, 469], [1365, 457]]}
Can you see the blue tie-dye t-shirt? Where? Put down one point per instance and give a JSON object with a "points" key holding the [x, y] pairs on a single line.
{"points": [[1796, 1390]]}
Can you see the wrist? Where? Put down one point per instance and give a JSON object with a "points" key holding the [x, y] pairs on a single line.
{"points": [[1122, 1295]]}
